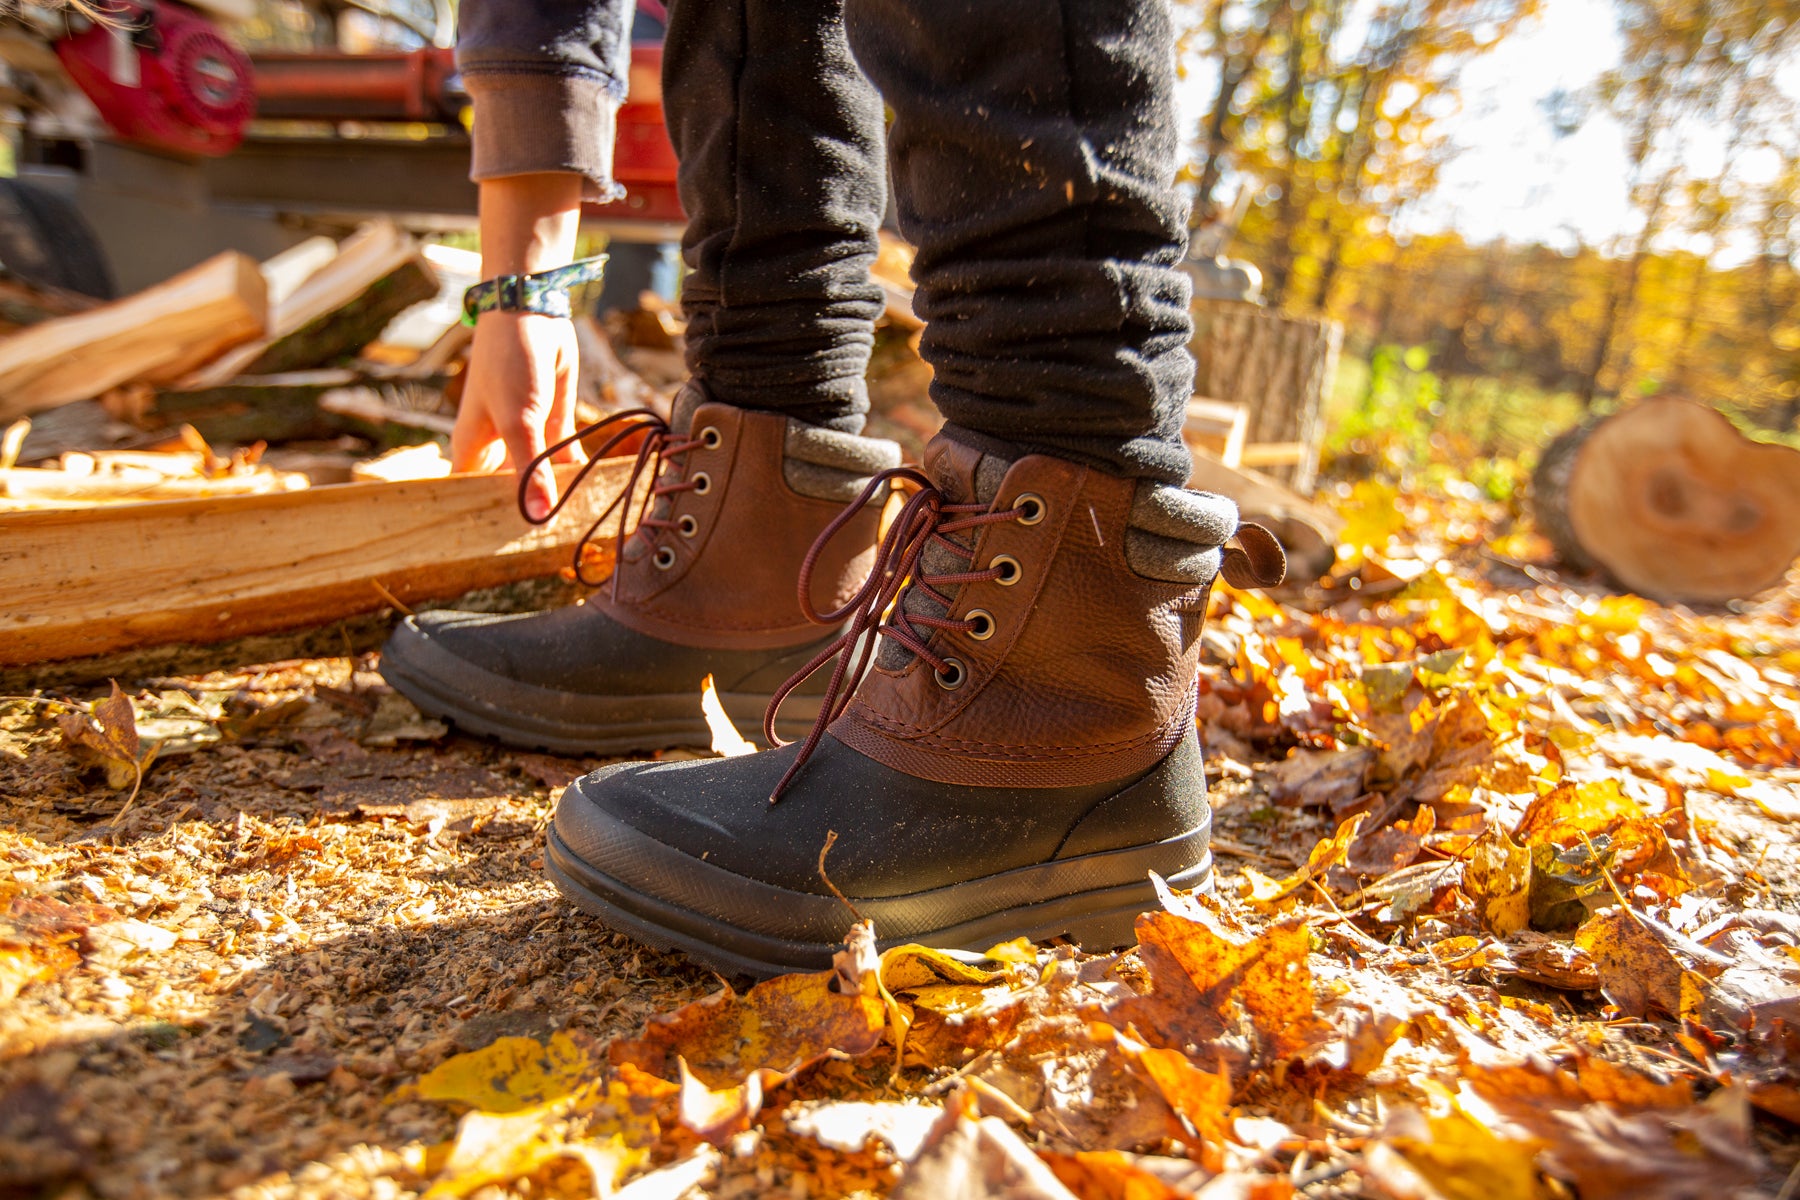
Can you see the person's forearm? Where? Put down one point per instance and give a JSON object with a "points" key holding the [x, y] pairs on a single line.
{"points": [[528, 222]]}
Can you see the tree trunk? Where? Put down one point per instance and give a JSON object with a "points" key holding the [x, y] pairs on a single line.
{"points": [[1277, 367], [1670, 501]]}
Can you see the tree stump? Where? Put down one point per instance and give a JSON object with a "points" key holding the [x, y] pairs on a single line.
{"points": [[1668, 500], [1277, 367]]}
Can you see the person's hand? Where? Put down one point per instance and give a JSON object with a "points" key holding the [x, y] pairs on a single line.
{"points": [[519, 394], [518, 398]]}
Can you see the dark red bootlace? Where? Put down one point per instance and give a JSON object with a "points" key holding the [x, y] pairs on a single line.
{"points": [[661, 443], [926, 518]]}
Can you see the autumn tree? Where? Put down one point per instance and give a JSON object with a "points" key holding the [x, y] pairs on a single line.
{"points": [[1335, 110], [1689, 69]]}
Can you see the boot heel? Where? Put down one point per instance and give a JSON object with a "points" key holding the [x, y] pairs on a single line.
{"points": [[1101, 932], [1116, 928]]}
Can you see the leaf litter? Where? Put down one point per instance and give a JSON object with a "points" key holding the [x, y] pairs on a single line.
{"points": [[1505, 909]]}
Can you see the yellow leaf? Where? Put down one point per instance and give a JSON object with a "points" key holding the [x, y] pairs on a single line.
{"points": [[1018, 951], [1498, 879], [1326, 855], [1720, 781], [727, 742], [1463, 1160], [511, 1075], [919, 970], [493, 1148]]}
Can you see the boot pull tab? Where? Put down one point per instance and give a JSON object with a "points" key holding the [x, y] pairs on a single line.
{"points": [[1260, 564]]}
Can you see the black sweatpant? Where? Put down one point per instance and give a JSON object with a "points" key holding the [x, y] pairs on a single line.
{"points": [[1033, 151]]}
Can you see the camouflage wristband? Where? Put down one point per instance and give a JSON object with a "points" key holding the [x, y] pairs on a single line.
{"points": [[545, 292]]}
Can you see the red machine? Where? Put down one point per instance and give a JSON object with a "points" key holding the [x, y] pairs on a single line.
{"points": [[220, 148], [163, 76]]}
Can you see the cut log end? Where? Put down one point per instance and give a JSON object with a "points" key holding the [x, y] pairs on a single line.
{"points": [[1670, 501]]}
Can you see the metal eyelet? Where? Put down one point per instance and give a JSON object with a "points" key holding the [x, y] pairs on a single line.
{"points": [[702, 483], [664, 558], [687, 526], [1010, 570], [710, 437], [984, 623], [953, 676], [1034, 507]]}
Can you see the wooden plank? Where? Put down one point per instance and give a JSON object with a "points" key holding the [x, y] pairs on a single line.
{"points": [[95, 581], [1277, 366], [1272, 454], [1307, 532], [357, 634], [155, 336], [377, 271], [1219, 425]]}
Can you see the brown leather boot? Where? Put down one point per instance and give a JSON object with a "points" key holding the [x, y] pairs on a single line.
{"points": [[704, 585], [1020, 759]]}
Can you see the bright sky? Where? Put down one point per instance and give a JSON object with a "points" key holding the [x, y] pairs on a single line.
{"points": [[1514, 177]]}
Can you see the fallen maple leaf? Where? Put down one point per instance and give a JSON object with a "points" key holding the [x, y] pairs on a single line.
{"points": [[772, 1032], [1561, 815], [512, 1074], [716, 1115], [495, 1148], [1326, 855], [1451, 1157], [1118, 1175], [1497, 877], [105, 735], [1202, 972], [1635, 969], [1615, 1134], [1201, 1099]]}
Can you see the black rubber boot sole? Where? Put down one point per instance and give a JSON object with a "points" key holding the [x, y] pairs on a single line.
{"points": [[738, 925], [480, 702]]}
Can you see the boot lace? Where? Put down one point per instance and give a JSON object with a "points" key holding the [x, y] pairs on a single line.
{"points": [[662, 448], [927, 518]]}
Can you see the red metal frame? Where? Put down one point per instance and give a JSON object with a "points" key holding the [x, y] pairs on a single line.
{"points": [[417, 85]]}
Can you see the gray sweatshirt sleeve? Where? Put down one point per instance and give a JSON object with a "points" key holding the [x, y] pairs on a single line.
{"points": [[546, 78]]}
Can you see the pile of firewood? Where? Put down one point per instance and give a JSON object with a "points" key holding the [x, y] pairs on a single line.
{"points": [[182, 438], [105, 403]]}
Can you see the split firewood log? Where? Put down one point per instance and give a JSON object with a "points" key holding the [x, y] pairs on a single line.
{"points": [[1668, 500]]}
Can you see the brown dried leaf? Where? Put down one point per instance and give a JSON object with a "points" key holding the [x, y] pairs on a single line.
{"points": [[105, 735], [1116, 1175], [1202, 972], [1384, 851], [777, 1029], [1619, 1135], [1635, 969], [970, 1157], [1325, 778], [1201, 1099]]}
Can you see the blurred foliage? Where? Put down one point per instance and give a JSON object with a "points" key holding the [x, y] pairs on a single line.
{"points": [[1332, 115]]}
